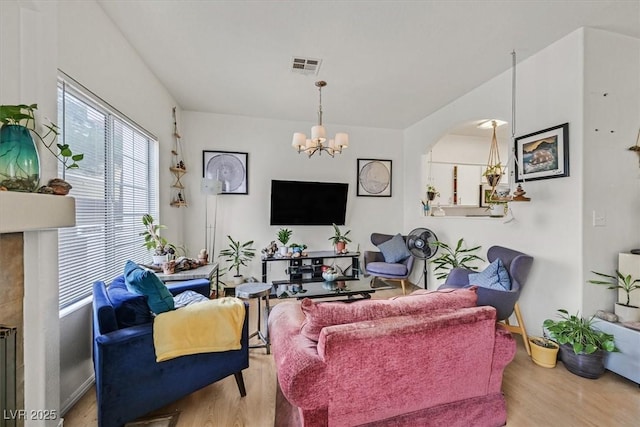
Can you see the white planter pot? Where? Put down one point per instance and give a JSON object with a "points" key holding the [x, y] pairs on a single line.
{"points": [[284, 250], [627, 314], [160, 259], [238, 280]]}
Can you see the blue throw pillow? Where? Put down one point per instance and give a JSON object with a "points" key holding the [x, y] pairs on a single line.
{"points": [[131, 309], [394, 249], [145, 282], [495, 276]]}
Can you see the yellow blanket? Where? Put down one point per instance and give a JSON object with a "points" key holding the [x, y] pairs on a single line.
{"points": [[213, 325]]}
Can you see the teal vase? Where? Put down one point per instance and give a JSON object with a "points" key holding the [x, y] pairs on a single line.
{"points": [[19, 163]]}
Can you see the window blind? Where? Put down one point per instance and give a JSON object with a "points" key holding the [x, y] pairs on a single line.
{"points": [[115, 185]]}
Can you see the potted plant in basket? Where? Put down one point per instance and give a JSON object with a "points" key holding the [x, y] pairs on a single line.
{"points": [[493, 174], [340, 240], [284, 234], [237, 255], [625, 284], [544, 352], [452, 258], [582, 348], [19, 161], [432, 193], [162, 249]]}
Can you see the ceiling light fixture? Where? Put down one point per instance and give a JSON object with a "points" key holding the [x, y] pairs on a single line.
{"points": [[319, 136]]}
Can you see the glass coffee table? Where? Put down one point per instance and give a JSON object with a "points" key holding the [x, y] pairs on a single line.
{"points": [[351, 289]]}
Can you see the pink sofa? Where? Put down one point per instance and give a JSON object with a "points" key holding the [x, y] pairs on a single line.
{"points": [[430, 358]]}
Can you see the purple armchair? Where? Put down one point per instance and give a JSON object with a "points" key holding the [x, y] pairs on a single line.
{"points": [[518, 265], [375, 265]]}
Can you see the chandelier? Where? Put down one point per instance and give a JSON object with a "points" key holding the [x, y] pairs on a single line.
{"points": [[318, 142]]}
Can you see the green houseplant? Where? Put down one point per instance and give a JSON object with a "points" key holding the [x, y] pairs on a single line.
{"points": [[284, 234], [454, 257], [432, 192], [340, 239], [19, 162], [625, 285], [582, 348], [493, 174], [162, 249], [237, 254]]}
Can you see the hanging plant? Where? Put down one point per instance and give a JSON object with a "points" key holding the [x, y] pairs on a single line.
{"points": [[636, 147]]}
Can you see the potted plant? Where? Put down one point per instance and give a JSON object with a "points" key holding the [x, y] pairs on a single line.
{"points": [[340, 240], [237, 255], [493, 174], [544, 352], [432, 193], [162, 250], [582, 348], [19, 161], [297, 248], [452, 258], [626, 284], [284, 234]]}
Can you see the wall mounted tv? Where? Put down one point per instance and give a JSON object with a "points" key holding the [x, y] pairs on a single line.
{"points": [[308, 203]]}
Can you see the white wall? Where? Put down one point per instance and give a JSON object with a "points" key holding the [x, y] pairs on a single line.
{"points": [[549, 93], [93, 52], [268, 142], [611, 173]]}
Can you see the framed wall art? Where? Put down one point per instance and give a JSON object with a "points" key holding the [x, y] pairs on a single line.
{"points": [[543, 154], [374, 178], [228, 167]]}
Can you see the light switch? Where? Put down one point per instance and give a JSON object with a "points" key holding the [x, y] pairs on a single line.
{"points": [[599, 219]]}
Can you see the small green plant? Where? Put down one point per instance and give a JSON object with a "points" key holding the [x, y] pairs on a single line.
{"points": [[543, 342], [493, 170], [24, 115], [578, 332], [152, 238], [238, 254], [284, 234], [301, 246], [452, 258], [619, 281], [338, 236], [432, 189]]}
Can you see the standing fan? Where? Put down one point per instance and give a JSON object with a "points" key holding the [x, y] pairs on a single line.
{"points": [[421, 244]]}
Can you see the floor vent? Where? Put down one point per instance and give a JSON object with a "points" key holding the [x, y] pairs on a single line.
{"points": [[303, 65], [8, 410]]}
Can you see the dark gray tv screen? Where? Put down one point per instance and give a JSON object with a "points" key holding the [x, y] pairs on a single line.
{"points": [[308, 203]]}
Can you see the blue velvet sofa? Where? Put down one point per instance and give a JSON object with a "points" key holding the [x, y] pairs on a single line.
{"points": [[129, 381]]}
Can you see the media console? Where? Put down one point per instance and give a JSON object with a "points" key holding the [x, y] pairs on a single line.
{"points": [[309, 268]]}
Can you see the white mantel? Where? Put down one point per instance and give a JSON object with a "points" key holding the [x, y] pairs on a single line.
{"points": [[32, 211]]}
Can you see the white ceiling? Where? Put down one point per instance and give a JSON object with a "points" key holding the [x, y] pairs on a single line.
{"points": [[388, 64]]}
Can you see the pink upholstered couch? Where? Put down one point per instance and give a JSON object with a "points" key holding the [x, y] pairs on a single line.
{"points": [[427, 359]]}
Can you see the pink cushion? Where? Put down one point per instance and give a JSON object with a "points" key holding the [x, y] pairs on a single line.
{"points": [[322, 314]]}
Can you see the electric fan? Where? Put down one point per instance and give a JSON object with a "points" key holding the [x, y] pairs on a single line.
{"points": [[421, 244]]}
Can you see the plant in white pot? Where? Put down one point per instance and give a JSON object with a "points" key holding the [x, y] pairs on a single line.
{"points": [[625, 284], [284, 234], [162, 250], [238, 254]]}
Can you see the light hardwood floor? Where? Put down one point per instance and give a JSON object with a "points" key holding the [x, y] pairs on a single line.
{"points": [[535, 397]]}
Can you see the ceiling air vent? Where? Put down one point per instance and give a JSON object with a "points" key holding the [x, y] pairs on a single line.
{"points": [[305, 65]]}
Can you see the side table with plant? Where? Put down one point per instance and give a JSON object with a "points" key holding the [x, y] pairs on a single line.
{"points": [[237, 255], [340, 239], [583, 349], [627, 284]]}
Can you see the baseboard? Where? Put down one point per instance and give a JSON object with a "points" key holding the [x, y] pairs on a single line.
{"points": [[73, 399]]}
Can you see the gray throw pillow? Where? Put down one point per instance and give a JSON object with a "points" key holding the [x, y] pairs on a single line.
{"points": [[394, 249]]}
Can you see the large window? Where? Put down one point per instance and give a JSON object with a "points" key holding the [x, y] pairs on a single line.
{"points": [[115, 185]]}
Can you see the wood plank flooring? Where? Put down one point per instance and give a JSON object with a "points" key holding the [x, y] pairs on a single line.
{"points": [[535, 397]]}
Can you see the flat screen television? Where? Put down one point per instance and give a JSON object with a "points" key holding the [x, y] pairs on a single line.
{"points": [[308, 203]]}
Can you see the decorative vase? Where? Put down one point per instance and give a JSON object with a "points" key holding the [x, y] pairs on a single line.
{"points": [[340, 247], [160, 259], [542, 355], [493, 179], [329, 276], [431, 195], [284, 250], [169, 267], [19, 162], [584, 365]]}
